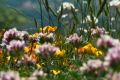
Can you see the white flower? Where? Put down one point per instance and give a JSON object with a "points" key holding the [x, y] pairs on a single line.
{"points": [[115, 3], [89, 20], [66, 7]]}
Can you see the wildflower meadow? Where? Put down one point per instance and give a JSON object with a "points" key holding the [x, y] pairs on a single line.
{"points": [[68, 40]]}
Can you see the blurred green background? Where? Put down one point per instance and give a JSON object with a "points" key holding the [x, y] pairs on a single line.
{"points": [[21, 14]]}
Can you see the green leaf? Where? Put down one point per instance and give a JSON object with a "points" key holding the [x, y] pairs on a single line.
{"points": [[36, 24], [59, 16], [75, 15], [89, 2], [101, 8]]}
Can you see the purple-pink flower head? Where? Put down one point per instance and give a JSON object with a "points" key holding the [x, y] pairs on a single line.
{"points": [[15, 45], [91, 65], [107, 41], [113, 55], [113, 76], [45, 35], [74, 39], [46, 50], [10, 75], [97, 31], [13, 34]]}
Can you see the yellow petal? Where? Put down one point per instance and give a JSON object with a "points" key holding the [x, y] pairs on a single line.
{"points": [[38, 66], [56, 72], [8, 58]]}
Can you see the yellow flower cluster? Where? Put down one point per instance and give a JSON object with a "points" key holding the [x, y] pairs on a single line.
{"points": [[89, 48], [60, 53], [33, 47], [48, 29]]}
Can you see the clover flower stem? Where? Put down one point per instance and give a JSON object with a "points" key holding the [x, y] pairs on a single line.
{"points": [[31, 48], [48, 65]]}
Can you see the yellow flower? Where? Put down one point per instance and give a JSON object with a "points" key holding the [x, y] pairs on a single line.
{"points": [[38, 66], [26, 49], [88, 47], [8, 58], [48, 29], [35, 34], [56, 72], [93, 50], [60, 53], [44, 29], [99, 53], [52, 29], [37, 46], [81, 50]]}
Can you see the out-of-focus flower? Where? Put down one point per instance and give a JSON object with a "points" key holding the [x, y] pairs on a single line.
{"points": [[82, 30], [52, 29], [72, 67], [44, 37], [81, 50], [97, 31], [66, 6], [107, 41], [38, 66], [56, 72], [66, 11], [89, 20], [46, 50], [34, 36], [13, 34], [48, 29], [89, 48], [60, 53], [30, 58], [115, 3], [92, 66], [15, 44], [74, 39], [113, 76], [28, 5], [113, 55], [10, 75], [8, 58], [31, 48], [38, 73]]}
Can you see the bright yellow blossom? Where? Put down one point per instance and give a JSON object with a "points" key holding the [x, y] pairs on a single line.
{"points": [[8, 58], [89, 48], [44, 29], [48, 29], [26, 49], [60, 53], [38, 66], [56, 72]]}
